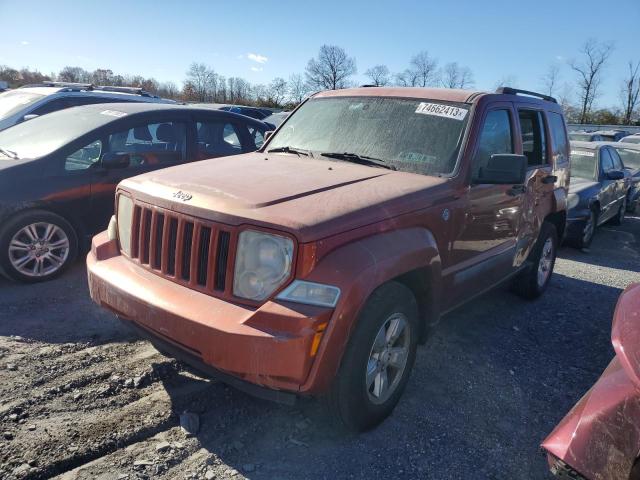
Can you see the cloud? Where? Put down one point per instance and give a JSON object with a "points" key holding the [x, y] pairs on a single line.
{"points": [[24, 42], [256, 69], [257, 58]]}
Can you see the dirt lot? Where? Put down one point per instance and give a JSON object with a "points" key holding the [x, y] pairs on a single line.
{"points": [[82, 398]]}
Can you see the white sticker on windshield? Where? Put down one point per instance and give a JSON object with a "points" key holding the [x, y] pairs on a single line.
{"points": [[439, 110], [114, 113], [583, 153]]}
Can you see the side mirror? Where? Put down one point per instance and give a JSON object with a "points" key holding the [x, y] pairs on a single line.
{"points": [[503, 169], [267, 135], [112, 160], [615, 174], [31, 116]]}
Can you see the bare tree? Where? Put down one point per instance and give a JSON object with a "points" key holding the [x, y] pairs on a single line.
{"points": [[379, 75], [455, 76], [200, 79], [424, 69], [74, 75], [589, 72], [276, 93], [168, 90], [507, 81], [331, 70], [298, 88], [630, 92], [407, 78], [550, 79]]}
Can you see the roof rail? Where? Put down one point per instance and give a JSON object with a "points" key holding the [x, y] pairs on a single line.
{"points": [[135, 90], [91, 87], [84, 86], [516, 91], [368, 85]]}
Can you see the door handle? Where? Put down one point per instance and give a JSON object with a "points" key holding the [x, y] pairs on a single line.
{"points": [[549, 179], [517, 190]]}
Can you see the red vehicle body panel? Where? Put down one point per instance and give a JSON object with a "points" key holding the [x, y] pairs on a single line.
{"points": [[354, 227], [600, 437]]}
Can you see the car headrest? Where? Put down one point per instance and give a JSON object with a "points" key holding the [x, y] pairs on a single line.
{"points": [[166, 133], [142, 133]]}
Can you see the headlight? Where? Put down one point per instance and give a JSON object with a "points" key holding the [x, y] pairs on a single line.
{"points": [[125, 217], [311, 293], [112, 229], [263, 263], [572, 201]]}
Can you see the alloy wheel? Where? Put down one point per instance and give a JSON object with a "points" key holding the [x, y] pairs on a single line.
{"points": [[388, 358], [39, 249], [546, 262]]}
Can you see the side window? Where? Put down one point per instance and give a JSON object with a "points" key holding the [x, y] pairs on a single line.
{"points": [[617, 162], [84, 158], [257, 137], [217, 138], [534, 143], [496, 137], [151, 144], [52, 106], [559, 142], [606, 162]]}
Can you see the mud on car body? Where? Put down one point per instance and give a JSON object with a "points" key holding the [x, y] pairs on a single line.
{"points": [[316, 265]]}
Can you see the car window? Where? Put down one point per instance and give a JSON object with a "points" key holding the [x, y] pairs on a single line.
{"points": [[85, 157], [53, 106], [533, 137], [559, 142], [606, 162], [151, 144], [496, 137], [630, 157], [583, 163], [217, 138], [617, 163], [13, 101], [257, 136]]}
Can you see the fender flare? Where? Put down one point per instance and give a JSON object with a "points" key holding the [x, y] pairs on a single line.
{"points": [[358, 268]]}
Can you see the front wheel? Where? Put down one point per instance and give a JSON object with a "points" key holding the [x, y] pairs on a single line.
{"points": [[533, 281], [378, 359], [36, 246]]}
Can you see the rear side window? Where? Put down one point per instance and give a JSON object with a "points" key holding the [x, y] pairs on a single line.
{"points": [[534, 142], [559, 142], [217, 138], [151, 144], [496, 137], [53, 106]]}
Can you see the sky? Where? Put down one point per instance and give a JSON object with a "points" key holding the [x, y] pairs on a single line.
{"points": [[260, 40]]}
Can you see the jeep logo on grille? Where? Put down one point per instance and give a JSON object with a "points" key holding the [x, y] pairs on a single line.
{"points": [[180, 195]]}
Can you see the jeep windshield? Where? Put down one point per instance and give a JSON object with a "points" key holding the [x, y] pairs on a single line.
{"points": [[15, 100], [410, 135]]}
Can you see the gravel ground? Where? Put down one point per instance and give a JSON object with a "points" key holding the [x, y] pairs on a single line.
{"points": [[82, 398]]}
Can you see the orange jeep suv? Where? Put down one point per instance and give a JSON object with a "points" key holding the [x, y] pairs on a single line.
{"points": [[316, 265]]}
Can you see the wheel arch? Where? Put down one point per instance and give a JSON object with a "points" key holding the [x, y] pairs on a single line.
{"points": [[558, 220], [79, 229], [408, 256]]}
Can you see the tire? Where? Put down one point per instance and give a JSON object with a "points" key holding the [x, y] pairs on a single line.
{"points": [[27, 256], [354, 401], [533, 281], [619, 218], [588, 232]]}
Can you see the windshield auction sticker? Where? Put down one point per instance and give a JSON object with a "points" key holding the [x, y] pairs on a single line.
{"points": [[439, 110], [113, 113], [583, 153]]}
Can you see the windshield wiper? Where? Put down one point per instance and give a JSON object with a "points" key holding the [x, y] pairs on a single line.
{"points": [[361, 159], [297, 151], [9, 153]]}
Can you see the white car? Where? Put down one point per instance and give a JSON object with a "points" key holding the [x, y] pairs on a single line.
{"points": [[31, 101]]}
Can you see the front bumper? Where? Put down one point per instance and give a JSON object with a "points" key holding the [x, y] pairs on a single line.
{"points": [[268, 346], [576, 221], [599, 439]]}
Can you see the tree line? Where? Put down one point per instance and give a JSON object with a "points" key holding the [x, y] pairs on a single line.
{"points": [[333, 68]]}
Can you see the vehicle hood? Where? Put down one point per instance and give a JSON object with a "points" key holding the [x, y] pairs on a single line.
{"points": [[578, 185], [312, 198]]}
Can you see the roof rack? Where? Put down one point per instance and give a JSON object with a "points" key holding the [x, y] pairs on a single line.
{"points": [[516, 91], [91, 87]]}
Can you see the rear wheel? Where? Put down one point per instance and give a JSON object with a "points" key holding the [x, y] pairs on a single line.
{"points": [[36, 246], [378, 359], [533, 281]]}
